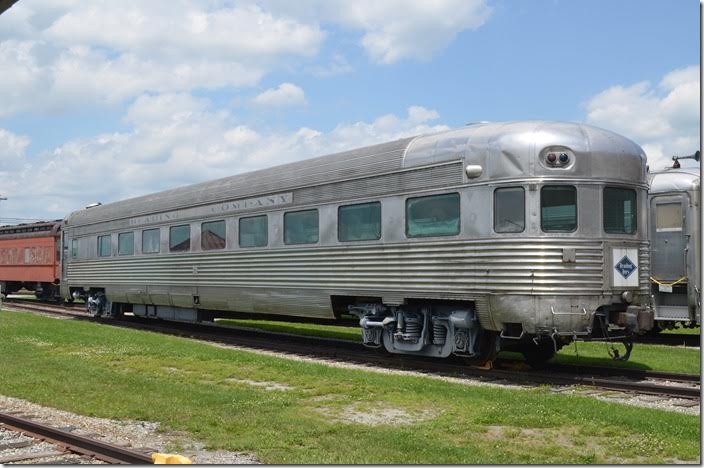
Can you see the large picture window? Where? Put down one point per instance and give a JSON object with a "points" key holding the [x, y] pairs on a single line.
{"points": [[301, 227], [104, 246], [254, 231], [620, 210], [180, 238], [151, 241], [359, 222], [435, 215], [558, 208], [125, 243], [509, 209], [212, 235]]}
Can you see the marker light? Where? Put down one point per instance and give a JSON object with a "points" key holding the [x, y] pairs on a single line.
{"points": [[557, 157]]}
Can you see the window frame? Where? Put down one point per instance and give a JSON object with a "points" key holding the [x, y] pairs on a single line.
{"points": [[317, 226], [74, 248], [381, 227], [239, 232], [576, 210], [635, 210], [224, 246], [190, 238], [100, 244], [158, 244], [523, 192], [459, 216], [662, 201], [118, 244]]}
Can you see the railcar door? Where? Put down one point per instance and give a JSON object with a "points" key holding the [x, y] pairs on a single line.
{"points": [[669, 242]]}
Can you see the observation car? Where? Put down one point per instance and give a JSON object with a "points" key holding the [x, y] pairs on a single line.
{"points": [[675, 216], [30, 258], [521, 235]]}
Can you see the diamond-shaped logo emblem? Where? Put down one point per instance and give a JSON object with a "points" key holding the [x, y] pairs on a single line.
{"points": [[625, 267]]}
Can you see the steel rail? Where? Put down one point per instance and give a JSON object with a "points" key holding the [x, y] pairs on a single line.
{"points": [[74, 443], [554, 374]]}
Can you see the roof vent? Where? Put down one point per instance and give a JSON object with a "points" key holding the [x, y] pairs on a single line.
{"points": [[93, 205]]}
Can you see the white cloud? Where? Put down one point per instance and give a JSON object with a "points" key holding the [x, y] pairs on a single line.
{"points": [[663, 119], [394, 30], [59, 55], [185, 28], [421, 114], [177, 140], [287, 94], [338, 65], [12, 150], [63, 55]]}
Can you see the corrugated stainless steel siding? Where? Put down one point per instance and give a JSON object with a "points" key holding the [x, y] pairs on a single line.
{"points": [[447, 175], [525, 266]]}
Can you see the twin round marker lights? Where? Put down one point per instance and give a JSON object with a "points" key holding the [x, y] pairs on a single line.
{"points": [[563, 158]]}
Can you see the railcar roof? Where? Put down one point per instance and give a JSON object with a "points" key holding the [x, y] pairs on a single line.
{"points": [[41, 228], [674, 180], [483, 143]]}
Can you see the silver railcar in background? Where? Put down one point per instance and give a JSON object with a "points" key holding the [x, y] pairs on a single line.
{"points": [[522, 235], [675, 217]]}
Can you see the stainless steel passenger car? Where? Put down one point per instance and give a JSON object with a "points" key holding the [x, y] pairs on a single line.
{"points": [[675, 216], [521, 233]]}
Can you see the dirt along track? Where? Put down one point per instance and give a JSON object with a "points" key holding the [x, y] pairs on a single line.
{"points": [[634, 381]]}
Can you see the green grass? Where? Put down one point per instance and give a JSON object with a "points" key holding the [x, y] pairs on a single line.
{"points": [[652, 357], [305, 329], [647, 357], [202, 389], [683, 331]]}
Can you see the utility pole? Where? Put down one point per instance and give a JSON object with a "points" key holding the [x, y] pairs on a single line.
{"points": [[1, 292], [2, 198]]}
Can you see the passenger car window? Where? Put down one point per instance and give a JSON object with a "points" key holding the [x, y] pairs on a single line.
{"points": [[558, 208], [619, 211], [125, 243], [359, 222], [104, 246], [74, 248], [212, 235], [668, 217], [150, 241], [254, 231], [435, 215], [180, 238], [509, 209], [301, 227]]}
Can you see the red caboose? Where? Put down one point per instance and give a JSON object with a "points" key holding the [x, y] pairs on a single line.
{"points": [[30, 258]]}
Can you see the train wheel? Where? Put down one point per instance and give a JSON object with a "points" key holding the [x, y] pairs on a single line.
{"points": [[97, 304], [537, 355], [488, 351]]}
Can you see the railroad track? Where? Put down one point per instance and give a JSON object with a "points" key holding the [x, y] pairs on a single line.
{"points": [[23, 440], [666, 339], [668, 385]]}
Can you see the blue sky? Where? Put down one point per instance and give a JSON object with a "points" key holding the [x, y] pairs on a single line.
{"points": [[105, 100]]}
